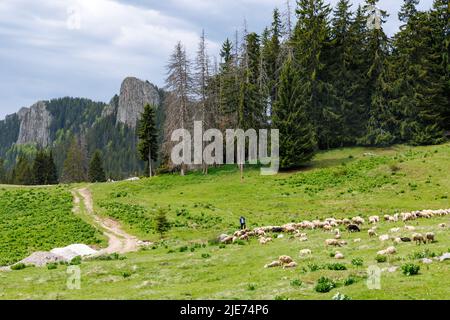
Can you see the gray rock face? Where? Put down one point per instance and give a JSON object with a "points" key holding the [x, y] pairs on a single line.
{"points": [[35, 125], [134, 94]]}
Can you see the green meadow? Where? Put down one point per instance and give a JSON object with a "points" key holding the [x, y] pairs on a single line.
{"points": [[189, 264]]}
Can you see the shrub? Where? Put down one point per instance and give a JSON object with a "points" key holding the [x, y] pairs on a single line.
{"points": [[314, 267], [349, 281], [52, 266], [336, 267], [183, 249], [381, 259], [324, 285], [251, 287], [410, 269], [126, 274], [206, 255], [18, 266], [357, 262], [76, 261], [296, 283]]}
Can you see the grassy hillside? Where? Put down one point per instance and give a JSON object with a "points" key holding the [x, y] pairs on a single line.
{"points": [[340, 183], [39, 219]]}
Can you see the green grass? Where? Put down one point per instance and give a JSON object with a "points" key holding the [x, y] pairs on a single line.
{"points": [[39, 219], [339, 183]]}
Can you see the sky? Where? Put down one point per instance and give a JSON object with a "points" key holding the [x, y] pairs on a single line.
{"points": [[85, 48]]}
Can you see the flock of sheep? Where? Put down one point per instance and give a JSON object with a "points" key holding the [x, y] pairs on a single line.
{"points": [[332, 225]]}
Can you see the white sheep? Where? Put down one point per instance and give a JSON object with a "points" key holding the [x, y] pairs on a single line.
{"points": [[410, 228], [305, 252], [339, 255], [285, 259], [418, 238], [384, 237], [374, 219], [290, 265], [430, 237], [395, 230], [371, 233], [273, 264]]}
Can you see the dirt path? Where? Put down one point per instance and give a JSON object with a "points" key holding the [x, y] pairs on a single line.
{"points": [[118, 240]]}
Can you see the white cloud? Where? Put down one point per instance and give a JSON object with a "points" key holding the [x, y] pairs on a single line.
{"points": [[52, 48]]}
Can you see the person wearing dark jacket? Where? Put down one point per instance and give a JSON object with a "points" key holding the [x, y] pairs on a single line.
{"points": [[243, 223]]}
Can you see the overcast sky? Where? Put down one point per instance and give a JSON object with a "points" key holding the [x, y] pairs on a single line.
{"points": [[85, 48]]}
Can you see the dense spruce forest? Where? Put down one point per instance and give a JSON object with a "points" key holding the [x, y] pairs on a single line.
{"points": [[332, 79], [326, 77]]}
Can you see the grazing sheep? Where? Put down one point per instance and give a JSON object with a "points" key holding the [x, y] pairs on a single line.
{"points": [[384, 237], [263, 240], [405, 239], [244, 237], [303, 239], [410, 228], [443, 226], [346, 221], [305, 252], [327, 227], [374, 219], [430, 237], [289, 229], [418, 238], [273, 264], [234, 239], [227, 240], [387, 217], [285, 259], [372, 233], [395, 230], [339, 255], [343, 243], [392, 219], [353, 228], [357, 240], [358, 220], [390, 250], [290, 265], [332, 242], [337, 234]]}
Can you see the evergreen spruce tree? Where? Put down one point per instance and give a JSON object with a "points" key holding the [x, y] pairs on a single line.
{"points": [[2, 171], [96, 172], [382, 126], [162, 224], [39, 168], [148, 137], [252, 110], [414, 86], [311, 41], [290, 116], [51, 173], [228, 86], [22, 173], [271, 54], [74, 170]]}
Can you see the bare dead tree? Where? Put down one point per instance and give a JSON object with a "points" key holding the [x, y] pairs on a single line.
{"points": [[202, 74], [179, 86]]}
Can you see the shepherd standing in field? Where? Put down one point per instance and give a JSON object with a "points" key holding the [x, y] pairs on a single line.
{"points": [[243, 224]]}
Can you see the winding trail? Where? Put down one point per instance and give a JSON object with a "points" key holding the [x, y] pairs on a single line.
{"points": [[119, 241]]}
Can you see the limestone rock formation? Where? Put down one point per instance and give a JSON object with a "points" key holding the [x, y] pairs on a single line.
{"points": [[35, 125], [134, 94]]}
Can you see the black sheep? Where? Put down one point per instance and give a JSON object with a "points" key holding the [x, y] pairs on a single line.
{"points": [[353, 228]]}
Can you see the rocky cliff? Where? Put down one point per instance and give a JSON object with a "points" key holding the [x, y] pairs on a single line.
{"points": [[134, 94], [109, 128], [35, 125]]}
